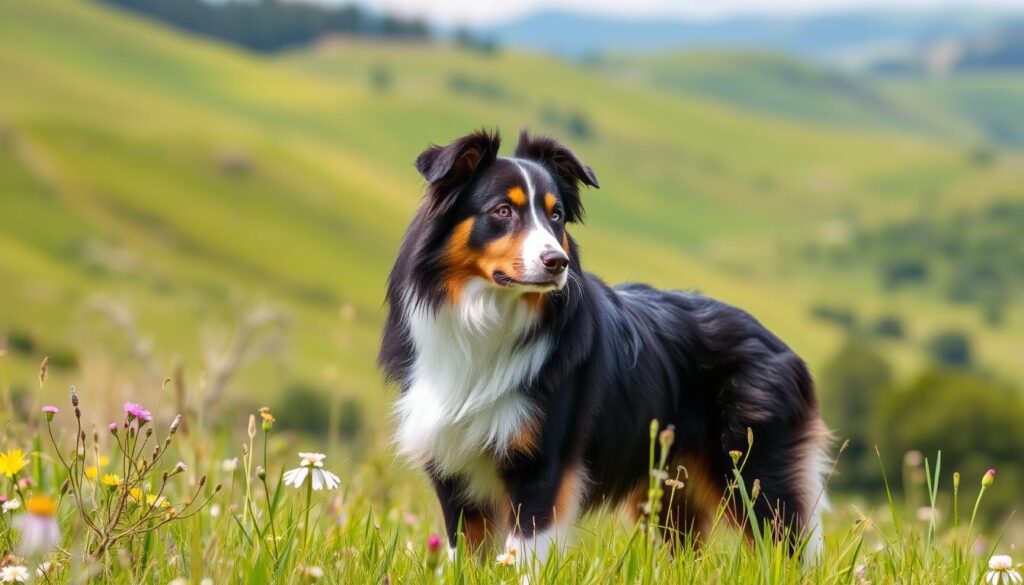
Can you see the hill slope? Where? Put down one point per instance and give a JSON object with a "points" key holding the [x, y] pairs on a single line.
{"points": [[185, 180]]}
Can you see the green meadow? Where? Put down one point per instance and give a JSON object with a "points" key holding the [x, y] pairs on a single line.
{"points": [[171, 207]]}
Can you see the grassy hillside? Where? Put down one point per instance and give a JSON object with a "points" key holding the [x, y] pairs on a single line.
{"points": [[187, 181]]}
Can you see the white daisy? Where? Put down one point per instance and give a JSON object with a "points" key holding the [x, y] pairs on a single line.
{"points": [[1001, 571], [11, 505], [14, 574], [311, 464]]}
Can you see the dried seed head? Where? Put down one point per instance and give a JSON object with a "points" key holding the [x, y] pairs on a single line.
{"points": [[755, 490], [218, 487], [149, 432], [252, 426], [175, 424], [74, 397], [202, 480], [43, 367], [65, 487]]}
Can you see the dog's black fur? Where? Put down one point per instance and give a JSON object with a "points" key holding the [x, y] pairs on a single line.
{"points": [[621, 356]]}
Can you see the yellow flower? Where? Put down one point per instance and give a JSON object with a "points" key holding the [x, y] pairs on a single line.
{"points": [[152, 500], [41, 505], [12, 462], [136, 494], [92, 472], [111, 480], [104, 461]]}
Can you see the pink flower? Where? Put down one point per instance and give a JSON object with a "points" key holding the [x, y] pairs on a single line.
{"points": [[434, 542], [136, 411], [50, 410]]}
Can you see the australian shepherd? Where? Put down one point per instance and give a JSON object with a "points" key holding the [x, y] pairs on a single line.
{"points": [[528, 386]]}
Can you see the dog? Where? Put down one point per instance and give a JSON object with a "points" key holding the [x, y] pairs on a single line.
{"points": [[527, 386]]}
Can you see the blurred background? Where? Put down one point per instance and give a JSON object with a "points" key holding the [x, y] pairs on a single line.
{"points": [[214, 192]]}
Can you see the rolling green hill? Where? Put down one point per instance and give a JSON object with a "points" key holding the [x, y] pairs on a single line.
{"points": [[186, 181]]}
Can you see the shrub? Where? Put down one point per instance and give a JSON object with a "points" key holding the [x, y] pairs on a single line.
{"points": [[972, 419], [951, 349], [851, 386]]}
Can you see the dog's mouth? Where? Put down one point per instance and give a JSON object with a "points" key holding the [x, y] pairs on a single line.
{"points": [[503, 279]]}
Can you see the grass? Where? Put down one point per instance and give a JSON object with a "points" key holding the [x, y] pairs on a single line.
{"points": [[239, 523]]}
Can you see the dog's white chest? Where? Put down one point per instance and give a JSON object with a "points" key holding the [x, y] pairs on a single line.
{"points": [[464, 402]]}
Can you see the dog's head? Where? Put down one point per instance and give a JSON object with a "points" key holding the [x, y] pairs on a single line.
{"points": [[502, 220]]}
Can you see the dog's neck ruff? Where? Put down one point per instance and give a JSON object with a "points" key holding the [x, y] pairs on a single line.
{"points": [[471, 360]]}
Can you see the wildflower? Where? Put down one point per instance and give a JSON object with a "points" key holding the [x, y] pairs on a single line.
{"points": [[988, 478], [229, 465], [312, 573], [44, 569], [735, 455], [1001, 571], [667, 437], [14, 574], [12, 462], [155, 502], [913, 458], [175, 424], [136, 411], [92, 472], [508, 558], [433, 551], [268, 419], [39, 530], [180, 467], [311, 464], [49, 411], [11, 505], [214, 510], [111, 480]]}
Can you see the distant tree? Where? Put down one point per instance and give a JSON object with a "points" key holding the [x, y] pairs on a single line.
{"points": [[851, 387], [837, 315], [951, 349], [902, 271], [975, 422], [272, 25], [889, 326]]}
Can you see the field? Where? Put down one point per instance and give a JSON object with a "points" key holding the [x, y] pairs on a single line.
{"points": [[175, 208]]}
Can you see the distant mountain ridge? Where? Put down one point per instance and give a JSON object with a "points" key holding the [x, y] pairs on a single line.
{"points": [[828, 37]]}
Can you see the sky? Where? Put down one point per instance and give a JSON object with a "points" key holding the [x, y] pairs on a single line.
{"points": [[484, 12]]}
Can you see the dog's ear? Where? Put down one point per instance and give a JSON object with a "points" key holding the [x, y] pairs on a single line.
{"points": [[567, 169], [448, 168]]}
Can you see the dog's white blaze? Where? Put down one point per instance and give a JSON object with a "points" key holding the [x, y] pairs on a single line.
{"points": [[539, 238], [463, 404]]}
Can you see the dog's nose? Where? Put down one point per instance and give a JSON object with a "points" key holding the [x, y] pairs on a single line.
{"points": [[554, 261]]}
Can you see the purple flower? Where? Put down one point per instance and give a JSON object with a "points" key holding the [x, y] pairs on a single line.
{"points": [[136, 411], [113, 428], [434, 542], [49, 410]]}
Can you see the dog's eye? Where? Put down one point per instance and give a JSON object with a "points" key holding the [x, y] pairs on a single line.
{"points": [[503, 211], [556, 215]]}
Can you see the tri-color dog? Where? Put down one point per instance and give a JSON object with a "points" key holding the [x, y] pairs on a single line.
{"points": [[527, 386]]}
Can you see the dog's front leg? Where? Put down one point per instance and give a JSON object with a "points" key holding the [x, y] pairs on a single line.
{"points": [[544, 505]]}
